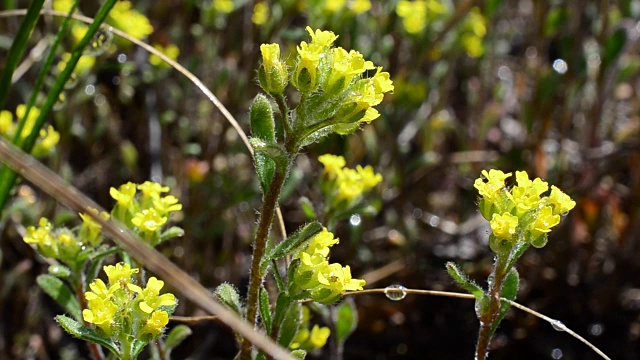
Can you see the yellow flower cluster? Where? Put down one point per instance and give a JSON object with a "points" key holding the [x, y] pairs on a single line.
{"points": [[417, 14], [123, 16], [473, 32], [521, 213], [171, 51], [316, 277], [47, 140], [148, 211], [309, 339], [345, 185], [260, 13], [336, 72], [61, 245], [123, 302]]}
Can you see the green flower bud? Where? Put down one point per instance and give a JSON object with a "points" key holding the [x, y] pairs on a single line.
{"points": [[272, 74], [262, 122]]}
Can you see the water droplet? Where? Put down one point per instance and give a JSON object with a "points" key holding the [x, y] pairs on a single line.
{"points": [[560, 66], [122, 58], [395, 292], [558, 325], [99, 43], [90, 90], [556, 354], [596, 329], [355, 220]]}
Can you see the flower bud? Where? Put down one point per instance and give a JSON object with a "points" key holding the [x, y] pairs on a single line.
{"points": [[272, 74], [262, 122]]}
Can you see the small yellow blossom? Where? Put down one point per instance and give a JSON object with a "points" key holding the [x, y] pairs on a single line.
{"points": [[90, 230], [151, 298], [545, 220], [320, 38], [359, 6], [223, 6], [99, 290], [504, 226], [338, 279], [159, 319], [332, 164], [149, 220], [63, 5], [123, 16], [171, 51], [495, 183], [260, 13], [166, 205], [101, 313], [124, 194], [119, 273], [310, 340], [526, 195], [321, 243], [152, 190], [334, 6], [562, 203]]}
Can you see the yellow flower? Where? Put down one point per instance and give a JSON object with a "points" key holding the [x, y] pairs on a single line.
{"points": [[333, 6], [223, 6], [526, 195], [49, 138], [151, 298], [495, 183], [159, 319], [320, 38], [63, 5], [31, 119], [270, 55], [318, 337], [119, 273], [149, 220], [413, 14], [124, 17], [359, 6], [152, 190], [90, 230], [306, 78], [171, 51], [344, 67], [321, 243], [124, 195], [166, 205], [6, 123], [333, 164], [504, 226], [545, 220], [562, 203], [260, 13], [40, 235], [382, 82], [338, 279], [99, 290], [101, 313]]}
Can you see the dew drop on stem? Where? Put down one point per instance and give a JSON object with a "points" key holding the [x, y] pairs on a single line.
{"points": [[395, 292], [558, 325]]}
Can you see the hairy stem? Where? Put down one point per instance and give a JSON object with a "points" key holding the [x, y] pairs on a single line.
{"points": [[269, 204], [490, 315]]}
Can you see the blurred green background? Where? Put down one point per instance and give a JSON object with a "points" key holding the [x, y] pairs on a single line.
{"points": [[542, 86]]}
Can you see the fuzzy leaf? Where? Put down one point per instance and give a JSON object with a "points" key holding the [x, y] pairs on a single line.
{"points": [[262, 122], [509, 291], [297, 240], [265, 310], [228, 295], [265, 168], [347, 320], [290, 325], [299, 354], [172, 232], [176, 336], [59, 292], [79, 331], [463, 280], [59, 271]]}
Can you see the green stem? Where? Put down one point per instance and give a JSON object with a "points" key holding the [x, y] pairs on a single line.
{"points": [[277, 276], [269, 204], [284, 113], [491, 314]]}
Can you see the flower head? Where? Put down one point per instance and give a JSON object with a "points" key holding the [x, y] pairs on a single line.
{"points": [[100, 312], [120, 273], [561, 202], [151, 298], [124, 195], [322, 39], [504, 226], [149, 220], [159, 319]]}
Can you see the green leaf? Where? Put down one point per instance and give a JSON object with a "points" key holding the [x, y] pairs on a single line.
{"points": [[509, 291], [265, 309], [347, 320], [228, 295], [265, 168], [176, 336], [297, 240], [516, 253], [59, 271], [614, 47], [172, 232], [137, 346], [463, 280], [283, 302], [299, 354], [59, 292], [290, 325], [307, 208], [79, 331]]}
